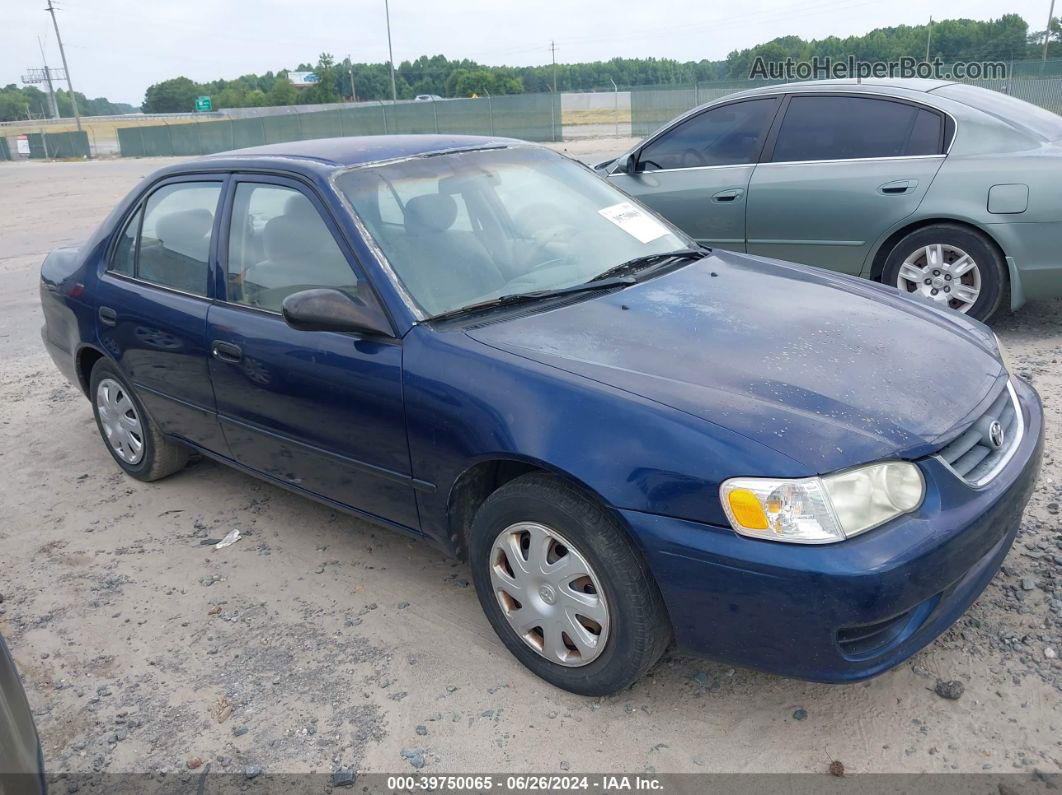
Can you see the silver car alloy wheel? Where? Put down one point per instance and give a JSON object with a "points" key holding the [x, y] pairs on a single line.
{"points": [[120, 421], [942, 273], [549, 594]]}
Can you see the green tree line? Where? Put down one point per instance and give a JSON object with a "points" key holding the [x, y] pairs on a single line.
{"points": [[1005, 39], [29, 102]]}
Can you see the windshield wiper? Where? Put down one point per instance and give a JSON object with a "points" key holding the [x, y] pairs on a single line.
{"points": [[519, 298], [644, 261]]}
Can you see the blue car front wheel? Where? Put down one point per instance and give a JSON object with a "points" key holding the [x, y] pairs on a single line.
{"points": [[564, 587]]}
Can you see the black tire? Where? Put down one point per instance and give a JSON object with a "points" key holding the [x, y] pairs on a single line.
{"points": [[161, 455], [990, 264], [639, 630]]}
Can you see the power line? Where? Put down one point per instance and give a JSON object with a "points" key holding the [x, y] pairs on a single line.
{"points": [[66, 69]]}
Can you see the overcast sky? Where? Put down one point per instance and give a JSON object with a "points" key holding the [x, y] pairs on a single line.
{"points": [[117, 48]]}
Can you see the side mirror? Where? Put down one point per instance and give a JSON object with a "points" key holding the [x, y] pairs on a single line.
{"points": [[327, 309], [631, 166]]}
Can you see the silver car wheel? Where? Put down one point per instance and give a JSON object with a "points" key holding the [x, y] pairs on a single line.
{"points": [[943, 274], [120, 421], [549, 594]]}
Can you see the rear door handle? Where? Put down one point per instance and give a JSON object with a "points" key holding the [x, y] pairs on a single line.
{"points": [[729, 195], [226, 351], [898, 187], [108, 316]]}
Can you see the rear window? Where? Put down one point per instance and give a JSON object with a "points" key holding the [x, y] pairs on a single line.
{"points": [[843, 128], [1015, 112]]}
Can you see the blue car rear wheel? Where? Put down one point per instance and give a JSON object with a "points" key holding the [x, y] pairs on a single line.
{"points": [[131, 436]]}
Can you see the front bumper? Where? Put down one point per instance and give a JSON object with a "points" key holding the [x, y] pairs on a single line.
{"points": [[846, 611]]}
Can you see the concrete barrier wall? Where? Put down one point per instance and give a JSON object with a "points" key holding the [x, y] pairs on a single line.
{"points": [[596, 100]]}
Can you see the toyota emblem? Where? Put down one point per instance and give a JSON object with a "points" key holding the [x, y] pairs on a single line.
{"points": [[995, 434]]}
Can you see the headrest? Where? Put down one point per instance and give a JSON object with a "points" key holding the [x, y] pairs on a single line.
{"points": [[432, 212], [185, 231], [284, 238], [298, 206]]}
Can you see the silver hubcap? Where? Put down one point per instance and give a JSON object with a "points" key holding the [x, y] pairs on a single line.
{"points": [[549, 594], [942, 273], [121, 424]]}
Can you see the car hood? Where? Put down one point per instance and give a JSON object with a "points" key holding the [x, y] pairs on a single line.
{"points": [[827, 369]]}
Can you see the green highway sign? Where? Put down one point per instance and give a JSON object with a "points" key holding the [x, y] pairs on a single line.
{"points": [[202, 105]]}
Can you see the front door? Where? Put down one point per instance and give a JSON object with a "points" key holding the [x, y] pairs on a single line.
{"points": [[696, 174], [320, 411], [840, 172]]}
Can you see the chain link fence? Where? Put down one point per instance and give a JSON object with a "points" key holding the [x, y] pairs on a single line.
{"points": [[58, 145], [533, 117]]}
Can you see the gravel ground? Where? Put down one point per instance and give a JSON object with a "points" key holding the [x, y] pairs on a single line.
{"points": [[318, 642]]}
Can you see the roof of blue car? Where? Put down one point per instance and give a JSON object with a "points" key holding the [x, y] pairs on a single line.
{"points": [[356, 151]]}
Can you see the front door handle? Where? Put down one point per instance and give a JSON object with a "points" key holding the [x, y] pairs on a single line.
{"points": [[898, 187], [108, 316], [729, 195], [226, 351]]}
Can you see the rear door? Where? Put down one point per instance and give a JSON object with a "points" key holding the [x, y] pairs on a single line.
{"points": [[153, 301], [321, 411], [837, 172], [696, 174]]}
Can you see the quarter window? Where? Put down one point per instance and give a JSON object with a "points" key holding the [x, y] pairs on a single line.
{"points": [[841, 128], [279, 245], [174, 248], [723, 136], [123, 260]]}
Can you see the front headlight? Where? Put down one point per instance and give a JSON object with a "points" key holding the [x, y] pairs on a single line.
{"points": [[824, 509]]}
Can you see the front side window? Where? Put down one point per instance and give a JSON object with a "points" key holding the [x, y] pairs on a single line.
{"points": [[279, 245], [174, 248], [468, 227], [843, 128], [723, 136]]}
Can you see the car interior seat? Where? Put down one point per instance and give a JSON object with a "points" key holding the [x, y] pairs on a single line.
{"points": [[178, 258], [442, 263]]}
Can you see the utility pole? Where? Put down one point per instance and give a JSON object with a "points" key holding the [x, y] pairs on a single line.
{"points": [[66, 68], [390, 52], [553, 52], [48, 79], [1047, 33], [929, 37], [350, 68]]}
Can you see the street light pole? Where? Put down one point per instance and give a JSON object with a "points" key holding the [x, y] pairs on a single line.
{"points": [[1047, 33], [62, 54], [390, 52], [350, 68], [48, 79], [553, 52]]}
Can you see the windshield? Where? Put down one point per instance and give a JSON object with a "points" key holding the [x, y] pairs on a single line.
{"points": [[468, 227]]}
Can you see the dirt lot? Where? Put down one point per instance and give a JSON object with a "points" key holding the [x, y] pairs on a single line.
{"points": [[318, 641]]}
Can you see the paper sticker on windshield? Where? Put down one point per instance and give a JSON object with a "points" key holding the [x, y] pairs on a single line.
{"points": [[634, 221]]}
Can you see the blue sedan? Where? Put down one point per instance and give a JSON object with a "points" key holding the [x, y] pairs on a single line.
{"points": [[631, 439]]}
